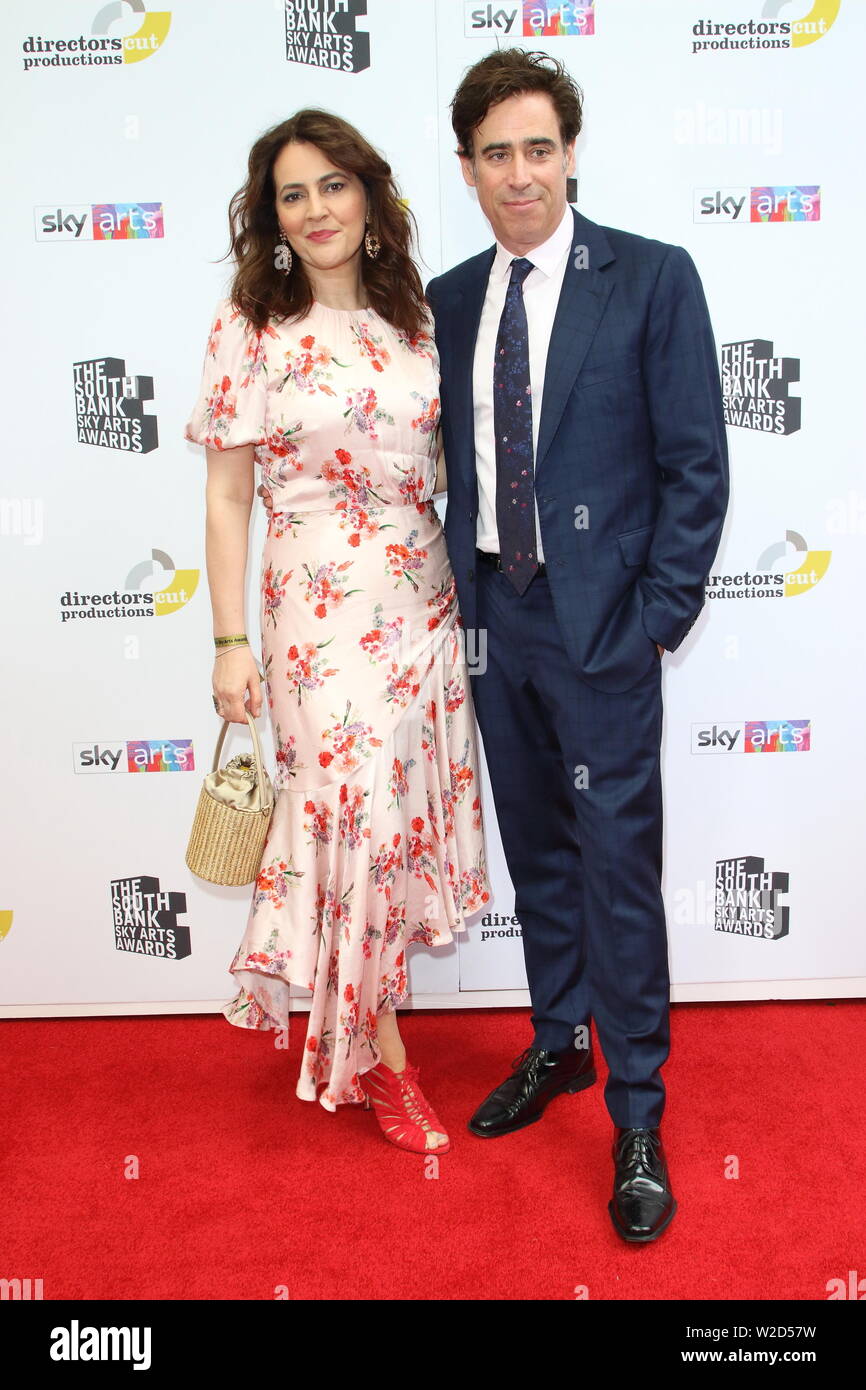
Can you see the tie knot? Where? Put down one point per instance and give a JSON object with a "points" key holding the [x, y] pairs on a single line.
{"points": [[520, 268]]}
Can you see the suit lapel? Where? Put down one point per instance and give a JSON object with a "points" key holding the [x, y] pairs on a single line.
{"points": [[468, 303], [582, 302]]}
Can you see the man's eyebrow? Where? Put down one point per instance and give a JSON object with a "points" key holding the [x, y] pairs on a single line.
{"points": [[530, 140], [334, 174]]}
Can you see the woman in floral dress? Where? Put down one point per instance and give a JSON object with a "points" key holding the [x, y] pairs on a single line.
{"points": [[321, 368]]}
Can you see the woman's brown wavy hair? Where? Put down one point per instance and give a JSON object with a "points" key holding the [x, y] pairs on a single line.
{"points": [[259, 289]]}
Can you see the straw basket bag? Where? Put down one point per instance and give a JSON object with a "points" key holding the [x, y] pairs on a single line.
{"points": [[232, 817]]}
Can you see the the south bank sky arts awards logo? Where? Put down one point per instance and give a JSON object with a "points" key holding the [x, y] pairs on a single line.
{"points": [[528, 20], [109, 406], [153, 589], [123, 31], [145, 919], [780, 24], [748, 899], [325, 34], [786, 569], [755, 384]]}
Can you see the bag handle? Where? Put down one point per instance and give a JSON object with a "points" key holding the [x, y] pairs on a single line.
{"points": [[260, 767]]}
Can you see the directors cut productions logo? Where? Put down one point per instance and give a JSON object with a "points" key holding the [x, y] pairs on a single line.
{"points": [[324, 34], [145, 919], [772, 579], [102, 48], [529, 20], [109, 406], [732, 36], [769, 203], [496, 925], [132, 601], [755, 387], [753, 736], [747, 899]]}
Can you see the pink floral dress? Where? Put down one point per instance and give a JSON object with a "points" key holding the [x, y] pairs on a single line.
{"points": [[376, 838]]}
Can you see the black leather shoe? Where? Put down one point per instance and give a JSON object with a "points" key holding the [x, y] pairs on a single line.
{"points": [[537, 1076], [642, 1204]]}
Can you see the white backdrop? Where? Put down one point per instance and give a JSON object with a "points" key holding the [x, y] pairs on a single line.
{"points": [[140, 123]]}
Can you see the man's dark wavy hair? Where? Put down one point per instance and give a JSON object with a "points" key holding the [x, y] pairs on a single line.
{"points": [[507, 73]]}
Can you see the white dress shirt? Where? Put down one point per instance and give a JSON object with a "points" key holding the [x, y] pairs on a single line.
{"points": [[541, 290]]}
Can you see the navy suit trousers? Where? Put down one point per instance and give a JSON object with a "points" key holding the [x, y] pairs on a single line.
{"points": [[576, 780]]}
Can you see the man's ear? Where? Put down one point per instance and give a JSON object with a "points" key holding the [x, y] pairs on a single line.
{"points": [[466, 165], [569, 152]]}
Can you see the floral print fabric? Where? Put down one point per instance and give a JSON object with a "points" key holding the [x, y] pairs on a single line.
{"points": [[376, 839]]}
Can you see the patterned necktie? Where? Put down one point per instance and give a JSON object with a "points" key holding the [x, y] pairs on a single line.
{"points": [[512, 428]]}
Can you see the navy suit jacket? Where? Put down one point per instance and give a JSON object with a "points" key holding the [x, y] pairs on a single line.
{"points": [[631, 467]]}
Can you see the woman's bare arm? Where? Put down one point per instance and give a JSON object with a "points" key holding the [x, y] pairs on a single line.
{"points": [[229, 496]]}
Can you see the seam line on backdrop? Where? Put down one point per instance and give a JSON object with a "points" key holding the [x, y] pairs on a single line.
{"points": [[436, 97]]}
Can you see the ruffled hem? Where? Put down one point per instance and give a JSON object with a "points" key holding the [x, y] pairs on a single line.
{"points": [[351, 874]]}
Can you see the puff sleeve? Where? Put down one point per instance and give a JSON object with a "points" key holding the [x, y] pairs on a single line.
{"points": [[231, 405]]}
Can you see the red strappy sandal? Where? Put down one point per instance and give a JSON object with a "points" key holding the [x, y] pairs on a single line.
{"points": [[405, 1115]]}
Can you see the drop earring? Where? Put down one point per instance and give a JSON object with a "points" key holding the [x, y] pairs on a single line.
{"points": [[371, 242], [283, 254]]}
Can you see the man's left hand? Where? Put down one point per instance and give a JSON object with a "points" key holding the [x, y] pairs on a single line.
{"points": [[661, 648]]}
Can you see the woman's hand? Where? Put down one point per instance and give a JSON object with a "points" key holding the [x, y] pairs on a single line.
{"points": [[441, 484], [234, 673], [266, 497]]}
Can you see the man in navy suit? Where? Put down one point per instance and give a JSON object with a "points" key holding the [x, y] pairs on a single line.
{"points": [[587, 478]]}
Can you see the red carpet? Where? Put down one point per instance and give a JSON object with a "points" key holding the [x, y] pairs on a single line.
{"points": [[243, 1188]]}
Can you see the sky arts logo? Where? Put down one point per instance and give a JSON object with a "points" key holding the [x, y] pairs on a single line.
{"points": [[753, 736], [725, 36], [772, 578], [135, 755], [109, 406], [94, 51], [529, 20], [100, 222], [133, 601], [755, 387], [769, 203]]}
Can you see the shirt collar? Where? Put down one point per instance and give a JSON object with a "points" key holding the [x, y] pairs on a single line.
{"points": [[547, 257]]}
